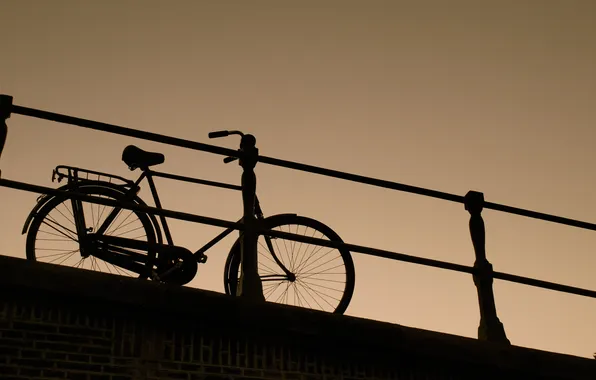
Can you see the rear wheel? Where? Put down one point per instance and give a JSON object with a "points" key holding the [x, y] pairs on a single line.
{"points": [[324, 277], [52, 236]]}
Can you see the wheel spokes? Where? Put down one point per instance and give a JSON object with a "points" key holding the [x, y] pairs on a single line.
{"points": [[320, 271], [56, 240]]}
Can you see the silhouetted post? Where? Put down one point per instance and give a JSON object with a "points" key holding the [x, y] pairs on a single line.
{"points": [[5, 110], [250, 285], [490, 329]]}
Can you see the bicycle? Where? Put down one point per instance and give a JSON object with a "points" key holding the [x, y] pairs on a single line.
{"points": [[145, 255]]}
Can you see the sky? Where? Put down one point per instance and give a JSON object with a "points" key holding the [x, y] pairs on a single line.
{"points": [[492, 96]]}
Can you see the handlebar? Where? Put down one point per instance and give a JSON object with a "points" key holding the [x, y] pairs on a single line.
{"points": [[218, 134]]}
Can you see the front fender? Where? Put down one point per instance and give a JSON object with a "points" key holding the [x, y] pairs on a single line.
{"points": [[263, 221]]}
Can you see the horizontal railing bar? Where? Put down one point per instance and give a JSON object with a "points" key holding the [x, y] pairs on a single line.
{"points": [[540, 215], [428, 262], [196, 180], [544, 284], [423, 191], [123, 131], [292, 165], [361, 179], [124, 205], [295, 237], [369, 251]]}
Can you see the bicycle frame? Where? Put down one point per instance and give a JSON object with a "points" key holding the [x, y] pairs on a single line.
{"points": [[148, 174]]}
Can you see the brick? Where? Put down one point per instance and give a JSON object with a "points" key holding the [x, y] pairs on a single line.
{"points": [[53, 373], [13, 334], [79, 366], [82, 331], [36, 363], [53, 346], [116, 369], [55, 355], [169, 365], [63, 338], [4, 307], [30, 372], [35, 336], [99, 377], [9, 351], [124, 361], [172, 375], [38, 327], [78, 358], [104, 342], [52, 315], [21, 311], [8, 370], [78, 376], [292, 376], [272, 374], [16, 343], [212, 369], [231, 370], [191, 367], [94, 350], [101, 359], [253, 372], [31, 354]]}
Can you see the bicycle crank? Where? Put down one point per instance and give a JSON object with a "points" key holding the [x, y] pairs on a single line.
{"points": [[179, 271]]}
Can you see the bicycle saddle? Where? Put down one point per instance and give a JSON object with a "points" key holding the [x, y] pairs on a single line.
{"points": [[136, 157]]}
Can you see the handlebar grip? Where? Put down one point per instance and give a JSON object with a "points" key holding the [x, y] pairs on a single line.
{"points": [[213, 135], [227, 160]]}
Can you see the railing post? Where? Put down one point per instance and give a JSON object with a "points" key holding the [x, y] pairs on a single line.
{"points": [[250, 285], [490, 329], [5, 110]]}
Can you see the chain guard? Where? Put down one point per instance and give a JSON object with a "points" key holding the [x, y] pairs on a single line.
{"points": [[174, 265]]}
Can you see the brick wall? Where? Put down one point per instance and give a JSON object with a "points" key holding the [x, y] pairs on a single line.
{"points": [[64, 323]]}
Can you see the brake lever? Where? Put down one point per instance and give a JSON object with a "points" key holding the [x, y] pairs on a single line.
{"points": [[217, 134]]}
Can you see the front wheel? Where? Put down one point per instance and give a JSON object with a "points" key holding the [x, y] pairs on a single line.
{"points": [[323, 278]]}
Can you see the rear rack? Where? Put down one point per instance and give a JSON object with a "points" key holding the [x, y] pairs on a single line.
{"points": [[75, 174]]}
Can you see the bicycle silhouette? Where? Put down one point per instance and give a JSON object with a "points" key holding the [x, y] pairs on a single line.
{"points": [[91, 236]]}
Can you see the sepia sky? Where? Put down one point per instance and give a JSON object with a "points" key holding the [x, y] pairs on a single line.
{"points": [[493, 96]]}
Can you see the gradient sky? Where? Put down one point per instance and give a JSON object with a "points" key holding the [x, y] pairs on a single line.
{"points": [[494, 96]]}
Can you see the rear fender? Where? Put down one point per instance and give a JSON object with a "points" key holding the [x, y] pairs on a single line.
{"points": [[41, 201], [45, 198]]}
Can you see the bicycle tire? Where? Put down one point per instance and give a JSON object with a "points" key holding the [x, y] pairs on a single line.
{"points": [[94, 190], [232, 265]]}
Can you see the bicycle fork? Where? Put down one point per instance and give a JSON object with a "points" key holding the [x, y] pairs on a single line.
{"points": [[272, 277]]}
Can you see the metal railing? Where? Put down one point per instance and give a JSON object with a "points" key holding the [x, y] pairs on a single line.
{"points": [[490, 328]]}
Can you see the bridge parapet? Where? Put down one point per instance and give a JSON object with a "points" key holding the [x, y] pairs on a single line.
{"points": [[59, 322]]}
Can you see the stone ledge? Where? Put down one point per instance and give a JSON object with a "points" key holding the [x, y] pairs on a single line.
{"points": [[32, 280]]}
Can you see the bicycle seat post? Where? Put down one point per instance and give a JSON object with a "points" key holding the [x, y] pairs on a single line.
{"points": [[251, 286]]}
